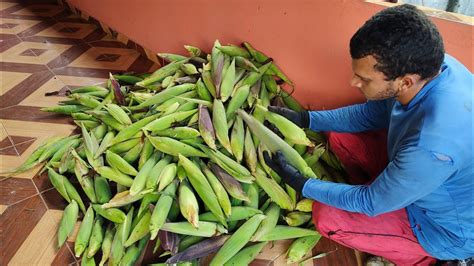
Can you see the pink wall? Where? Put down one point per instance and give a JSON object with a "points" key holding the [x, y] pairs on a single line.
{"points": [[308, 39]]}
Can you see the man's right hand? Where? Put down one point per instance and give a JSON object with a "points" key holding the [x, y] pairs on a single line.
{"points": [[301, 119]]}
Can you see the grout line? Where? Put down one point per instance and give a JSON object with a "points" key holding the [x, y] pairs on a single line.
{"points": [[19, 143], [14, 203], [11, 140]]}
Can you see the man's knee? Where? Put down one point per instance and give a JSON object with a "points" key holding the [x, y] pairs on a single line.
{"points": [[322, 220]]}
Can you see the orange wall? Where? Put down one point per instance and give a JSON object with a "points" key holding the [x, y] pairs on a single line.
{"points": [[308, 39]]}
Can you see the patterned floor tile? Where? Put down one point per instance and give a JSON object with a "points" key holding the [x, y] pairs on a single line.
{"points": [[3, 208], [38, 98], [15, 95], [33, 52], [106, 58], [40, 131], [13, 190], [68, 30], [42, 10], [10, 80], [30, 253], [5, 5], [53, 200], [15, 26], [17, 222], [42, 182]]}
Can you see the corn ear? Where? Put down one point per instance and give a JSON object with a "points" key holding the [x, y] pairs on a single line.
{"points": [[219, 122], [232, 186], [219, 190], [237, 139], [206, 128], [274, 191], [166, 121], [68, 220], [246, 255], [167, 175], [237, 213], [297, 218], [282, 232], [188, 204], [238, 240], [174, 147], [202, 187], [199, 250], [107, 244], [162, 208], [305, 205], [204, 229], [141, 229], [118, 113], [275, 143], [161, 73], [227, 84], [97, 237], [120, 164], [301, 246], [139, 181], [115, 176], [85, 232], [155, 172], [112, 214], [122, 199], [272, 214]]}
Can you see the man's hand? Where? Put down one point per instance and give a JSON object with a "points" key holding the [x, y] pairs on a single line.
{"points": [[288, 173], [299, 118]]}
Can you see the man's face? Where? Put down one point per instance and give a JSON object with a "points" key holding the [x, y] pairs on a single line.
{"points": [[371, 82]]}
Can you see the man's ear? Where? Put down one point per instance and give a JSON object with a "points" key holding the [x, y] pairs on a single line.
{"points": [[407, 82]]}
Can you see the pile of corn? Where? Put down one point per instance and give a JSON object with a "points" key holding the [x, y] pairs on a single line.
{"points": [[177, 156]]}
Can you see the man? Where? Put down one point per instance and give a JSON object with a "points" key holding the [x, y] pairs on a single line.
{"points": [[420, 206]]}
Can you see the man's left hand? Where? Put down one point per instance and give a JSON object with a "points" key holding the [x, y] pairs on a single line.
{"points": [[287, 172]]}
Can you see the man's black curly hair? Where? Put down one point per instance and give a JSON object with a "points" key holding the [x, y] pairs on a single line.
{"points": [[403, 41]]}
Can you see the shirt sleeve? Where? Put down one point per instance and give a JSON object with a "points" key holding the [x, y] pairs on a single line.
{"points": [[355, 118], [414, 173]]}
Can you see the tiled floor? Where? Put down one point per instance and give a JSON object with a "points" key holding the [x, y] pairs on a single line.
{"points": [[44, 48]]}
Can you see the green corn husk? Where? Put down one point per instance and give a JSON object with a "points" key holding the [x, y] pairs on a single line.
{"points": [[281, 232], [219, 122], [202, 187], [107, 243], [162, 72], [140, 230], [68, 220], [155, 172], [162, 208], [237, 139], [238, 240], [276, 193], [85, 232], [218, 189], [246, 255], [272, 214], [275, 143], [174, 147], [113, 214], [204, 229], [139, 181], [97, 237], [300, 247], [237, 213]]}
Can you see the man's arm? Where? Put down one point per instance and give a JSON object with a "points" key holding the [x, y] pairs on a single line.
{"points": [[355, 118], [413, 174]]}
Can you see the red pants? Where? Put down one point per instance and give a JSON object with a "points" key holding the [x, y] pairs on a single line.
{"points": [[364, 155]]}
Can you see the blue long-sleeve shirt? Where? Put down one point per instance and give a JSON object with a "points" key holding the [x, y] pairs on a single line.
{"points": [[430, 169]]}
